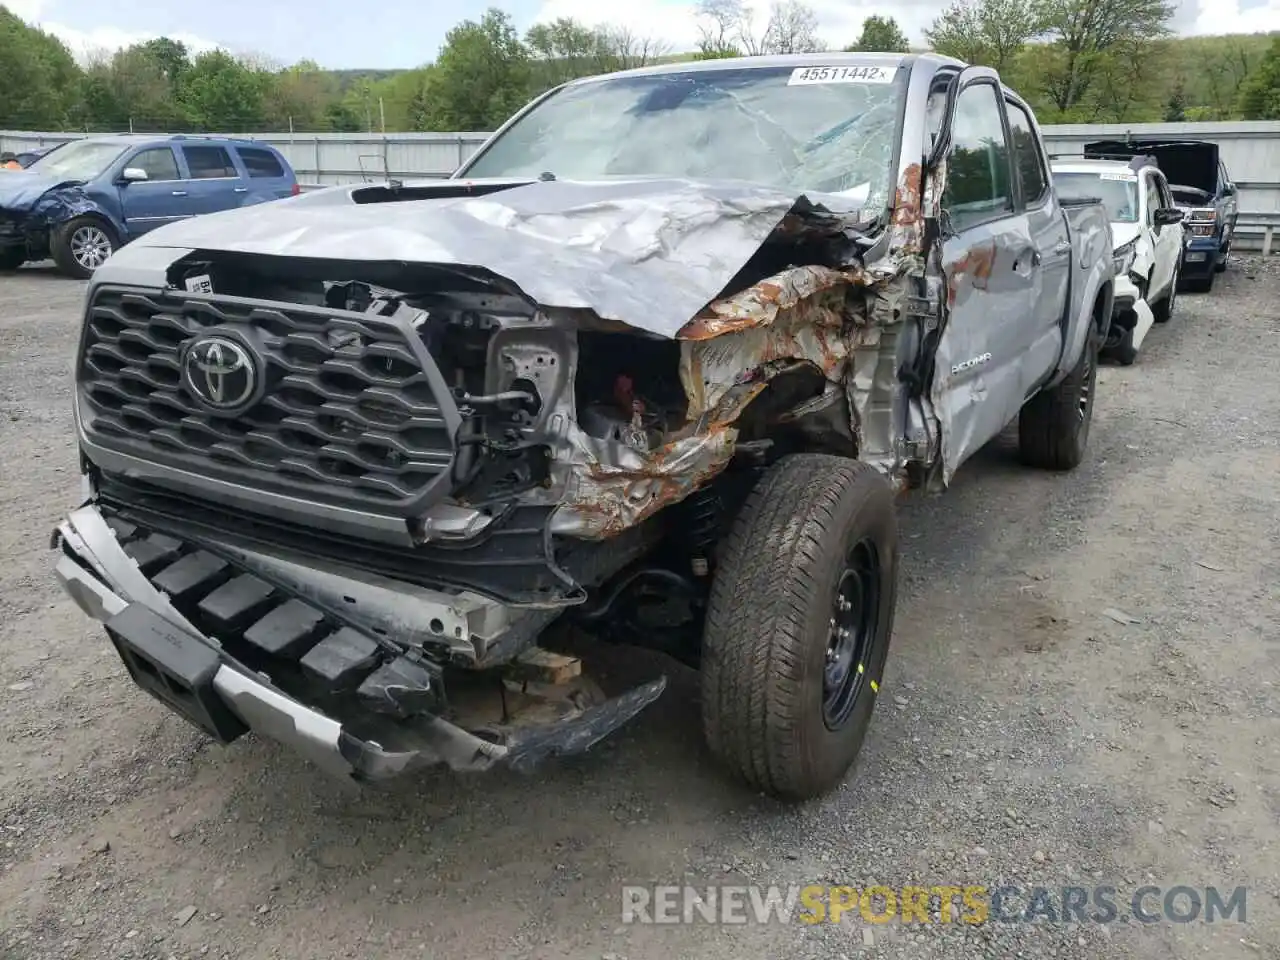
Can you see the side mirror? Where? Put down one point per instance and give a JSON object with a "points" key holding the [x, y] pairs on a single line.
{"points": [[1229, 190], [133, 175], [1167, 215]]}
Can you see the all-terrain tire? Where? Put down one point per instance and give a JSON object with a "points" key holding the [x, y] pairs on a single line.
{"points": [[770, 709], [68, 242], [1053, 426]]}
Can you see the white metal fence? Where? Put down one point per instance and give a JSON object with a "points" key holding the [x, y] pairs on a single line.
{"points": [[1250, 150]]}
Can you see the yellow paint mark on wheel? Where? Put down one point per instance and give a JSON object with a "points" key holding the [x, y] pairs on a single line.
{"points": [[861, 669], [875, 687]]}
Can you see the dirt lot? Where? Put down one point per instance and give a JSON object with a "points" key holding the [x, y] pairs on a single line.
{"points": [[1024, 736]]}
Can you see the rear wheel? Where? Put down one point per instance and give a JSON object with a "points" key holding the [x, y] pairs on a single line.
{"points": [[1053, 427], [799, 624], [80, 246]]}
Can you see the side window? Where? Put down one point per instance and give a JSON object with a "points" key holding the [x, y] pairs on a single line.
{"points": [[978, 184], [207, 163], [159, 162], [1154, 202], [1026, 156], [260, 163]]}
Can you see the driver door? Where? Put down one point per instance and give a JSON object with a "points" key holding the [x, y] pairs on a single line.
{"points": [[161, 198], [994, 277]]}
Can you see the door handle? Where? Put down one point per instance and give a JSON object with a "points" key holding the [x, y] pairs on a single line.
{"points": [[241, 189], [179, 193], [1062, 246]]}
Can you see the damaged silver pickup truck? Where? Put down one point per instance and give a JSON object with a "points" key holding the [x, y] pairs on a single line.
{"points": [[649, 369]]}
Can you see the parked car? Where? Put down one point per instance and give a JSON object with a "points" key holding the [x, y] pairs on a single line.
{"points": [[82, 201], [1201, 188], [1148, 235], [673, 337]]}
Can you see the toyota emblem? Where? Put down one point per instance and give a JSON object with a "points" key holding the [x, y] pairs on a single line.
{"points": [[220, 373]]}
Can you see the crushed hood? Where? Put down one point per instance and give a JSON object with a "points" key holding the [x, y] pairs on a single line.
{"points": [[649, 253], [21, 189]]}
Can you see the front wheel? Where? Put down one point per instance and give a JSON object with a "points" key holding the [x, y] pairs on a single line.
{"points": [[799, 623], [1053, 427], [81, 245]]}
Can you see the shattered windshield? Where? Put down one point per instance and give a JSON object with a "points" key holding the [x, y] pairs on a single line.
{"points": [[825, 129], [82, 160], [1117, 191]]}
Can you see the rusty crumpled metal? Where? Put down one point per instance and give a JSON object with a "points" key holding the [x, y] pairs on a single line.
{"points": [[809, 314], [607, 495], [729, 353], [800, 314]]}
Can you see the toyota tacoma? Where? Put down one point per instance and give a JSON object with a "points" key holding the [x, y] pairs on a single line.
{"points": [[369, 471]]}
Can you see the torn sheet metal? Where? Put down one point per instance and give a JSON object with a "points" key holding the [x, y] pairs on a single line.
{"points": [[729, 353], [648, 253], [799, 314]]}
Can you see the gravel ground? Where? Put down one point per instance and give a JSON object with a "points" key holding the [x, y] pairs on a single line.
{"points": [[1025, 736]]}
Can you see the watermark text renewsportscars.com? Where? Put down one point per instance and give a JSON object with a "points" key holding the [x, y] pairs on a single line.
{"points": [[940, 903]]}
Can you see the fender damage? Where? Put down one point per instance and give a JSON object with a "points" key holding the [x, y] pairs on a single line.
{"points": [[31, 206], [750, 288]]}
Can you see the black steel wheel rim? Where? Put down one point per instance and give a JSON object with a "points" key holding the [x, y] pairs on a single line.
{"points": [[855, 615]]}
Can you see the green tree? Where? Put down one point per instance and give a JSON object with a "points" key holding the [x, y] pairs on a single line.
{"points": [[133, 90], [1260, 94], [1084, 35], [298, 97], [881, 35], [987, 32], [170, 57], [39, 80], [1175, 110], [481, 76], [222, 94]]}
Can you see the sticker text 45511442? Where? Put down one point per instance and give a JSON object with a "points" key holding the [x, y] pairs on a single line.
{"points": [[848, 73]]}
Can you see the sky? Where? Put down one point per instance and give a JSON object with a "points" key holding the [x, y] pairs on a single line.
{"points": [[407, 33]]}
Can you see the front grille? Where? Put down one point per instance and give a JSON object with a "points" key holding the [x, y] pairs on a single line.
{"points": [[354, 411]]}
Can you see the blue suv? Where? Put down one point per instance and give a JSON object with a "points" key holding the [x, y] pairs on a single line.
{"points": [[80, 202]]}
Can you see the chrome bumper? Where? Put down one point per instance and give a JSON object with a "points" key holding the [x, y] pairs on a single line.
{"points": [[104, 582]]}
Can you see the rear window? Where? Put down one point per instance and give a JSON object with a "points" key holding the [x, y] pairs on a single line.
{"points": [[208, 163], [261, 163], [1117, 191]]}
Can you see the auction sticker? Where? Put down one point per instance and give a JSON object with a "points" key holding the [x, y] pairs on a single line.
{"points": [[1124, 177], [848, 73]]}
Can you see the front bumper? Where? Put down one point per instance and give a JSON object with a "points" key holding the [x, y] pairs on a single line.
{"points": [[1200, 257], [194, 675]]}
